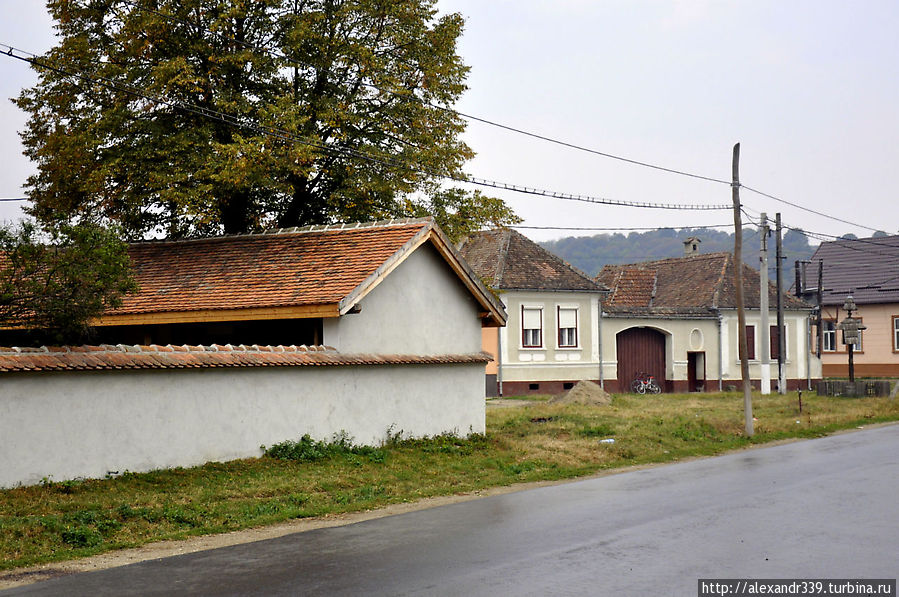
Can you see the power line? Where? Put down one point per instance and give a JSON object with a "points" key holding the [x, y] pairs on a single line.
{"points": [[637, 229], [388, 161], [495, 184], [15, 199], [797, 206], [843, 242], [447, 109]]}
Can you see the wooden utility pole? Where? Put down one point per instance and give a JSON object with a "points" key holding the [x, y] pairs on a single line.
{"points": [[781, 340], [738, 280], [764, 336]]}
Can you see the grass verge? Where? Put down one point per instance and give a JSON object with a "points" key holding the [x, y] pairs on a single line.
{"points": [[538, 441]]}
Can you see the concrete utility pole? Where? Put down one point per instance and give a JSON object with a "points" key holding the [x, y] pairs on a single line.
{"points": [[738, 282], [781, 331], [764, 339]]}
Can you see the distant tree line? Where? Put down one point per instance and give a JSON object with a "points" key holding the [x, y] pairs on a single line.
{"points": [[591, 253]]}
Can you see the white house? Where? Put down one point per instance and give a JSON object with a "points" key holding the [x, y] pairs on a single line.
{"points": [[551, 340], [239, 341], [676, 319]]}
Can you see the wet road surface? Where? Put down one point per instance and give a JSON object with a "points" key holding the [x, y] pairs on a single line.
{"points": [[824, 508]]}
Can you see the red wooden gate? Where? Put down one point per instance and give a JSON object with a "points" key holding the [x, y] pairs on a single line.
{"points": [[640, 350]]}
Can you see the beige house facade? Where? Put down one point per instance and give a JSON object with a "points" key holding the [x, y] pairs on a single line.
{"points": [[551, 337], [676, 320], [867, 269]]}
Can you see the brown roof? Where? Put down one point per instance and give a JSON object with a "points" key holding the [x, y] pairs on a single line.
{"points": [[323, 268], [866, 268], [508, 260], [700, 284], [108, 357]]}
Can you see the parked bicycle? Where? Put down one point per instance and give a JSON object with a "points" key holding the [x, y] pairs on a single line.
{"points": [[645, 383]]}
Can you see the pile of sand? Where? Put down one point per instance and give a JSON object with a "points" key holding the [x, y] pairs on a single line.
{"points": [[585, 392]]}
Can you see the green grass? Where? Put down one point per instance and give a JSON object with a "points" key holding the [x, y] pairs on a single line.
{"points": [[537, 441]]}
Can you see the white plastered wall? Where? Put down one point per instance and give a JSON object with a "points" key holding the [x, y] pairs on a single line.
{"points": [[550, 362], [65, 425], [420, 308]]}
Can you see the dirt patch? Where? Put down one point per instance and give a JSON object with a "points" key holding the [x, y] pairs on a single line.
{"points": [[585, 392]]}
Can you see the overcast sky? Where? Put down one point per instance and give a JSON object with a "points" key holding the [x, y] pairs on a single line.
{"points": [[809, 89]]}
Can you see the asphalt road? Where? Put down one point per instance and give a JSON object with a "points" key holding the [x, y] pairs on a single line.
{"points": [[824, 508]]}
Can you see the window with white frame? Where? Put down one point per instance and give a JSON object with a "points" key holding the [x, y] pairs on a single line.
{"points": [[829, 334], [531, 327], [567, 322], [896, 333]]}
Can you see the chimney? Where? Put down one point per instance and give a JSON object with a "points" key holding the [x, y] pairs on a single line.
{"points": [[691, 246]]}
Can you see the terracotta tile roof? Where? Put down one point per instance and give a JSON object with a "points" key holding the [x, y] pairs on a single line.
{"points": [[287, 268], [866, 268], [508, 260], [108, 357], [313, 266], [694, 285]]}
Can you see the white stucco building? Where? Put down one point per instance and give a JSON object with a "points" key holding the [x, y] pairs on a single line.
{"points": [[551, 339], [240, 341]]}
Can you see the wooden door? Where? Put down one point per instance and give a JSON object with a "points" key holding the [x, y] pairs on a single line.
{"points": [[640, 350]]}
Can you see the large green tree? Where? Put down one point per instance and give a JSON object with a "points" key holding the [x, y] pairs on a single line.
{"points": [[55, 279], [350, 88]]}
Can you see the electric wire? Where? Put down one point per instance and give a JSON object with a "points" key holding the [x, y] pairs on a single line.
{"points": [[618, 229], [14, 199], [495, 184], [447, 109], [808, 209], [388, 161]]}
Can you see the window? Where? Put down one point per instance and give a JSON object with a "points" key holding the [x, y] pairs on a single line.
{"points": [[567, 321], [896, 333], [531, 327], [775, 345], [750, 342], [829, 328]]}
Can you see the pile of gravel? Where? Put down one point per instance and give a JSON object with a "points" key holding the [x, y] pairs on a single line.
{"points": [[585, 392]]}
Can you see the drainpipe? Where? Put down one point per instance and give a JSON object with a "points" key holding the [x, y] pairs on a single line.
{"points": [[499, 360], [602, 383], [720, 354]]}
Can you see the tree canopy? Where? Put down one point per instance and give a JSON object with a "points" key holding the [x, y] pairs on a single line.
{"points": [[55, 279], [193, 117]]}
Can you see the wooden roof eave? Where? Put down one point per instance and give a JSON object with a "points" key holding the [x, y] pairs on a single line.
{"points": [[324, 310]]}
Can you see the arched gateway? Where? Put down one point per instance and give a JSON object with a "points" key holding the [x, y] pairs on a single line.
{"points": [[640, 350]]}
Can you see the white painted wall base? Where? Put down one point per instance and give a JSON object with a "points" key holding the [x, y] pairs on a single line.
{"points": [[66, 425]]}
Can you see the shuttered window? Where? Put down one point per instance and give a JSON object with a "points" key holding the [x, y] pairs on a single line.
{"points": [[567, 318], [750, 342], [531, 327]]}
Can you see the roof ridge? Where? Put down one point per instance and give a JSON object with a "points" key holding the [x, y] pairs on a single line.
{"points": [[559, 259], [700, 256], [386, 223], [506, 234], [157, 348]]}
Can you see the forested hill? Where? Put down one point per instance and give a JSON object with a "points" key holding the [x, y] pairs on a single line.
{"points": [[590, 253]]}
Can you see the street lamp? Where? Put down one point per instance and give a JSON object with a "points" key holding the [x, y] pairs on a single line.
{"points": [[852, 331]]}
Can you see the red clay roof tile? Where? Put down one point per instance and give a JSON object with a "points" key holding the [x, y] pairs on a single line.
{"points": [[289, 268], [506, 259], [684, 285], [106, 357]]}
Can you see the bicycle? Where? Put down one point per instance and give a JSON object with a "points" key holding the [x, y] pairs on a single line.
{"points": [[645, 383]]}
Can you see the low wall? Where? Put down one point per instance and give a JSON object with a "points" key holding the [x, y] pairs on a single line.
{"points": [[70, 424]]}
